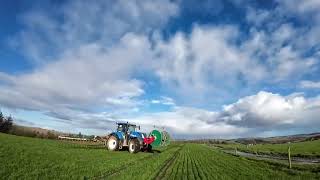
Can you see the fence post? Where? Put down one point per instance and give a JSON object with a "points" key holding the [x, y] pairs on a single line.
{"points": [[236, 152], [289, 156]]}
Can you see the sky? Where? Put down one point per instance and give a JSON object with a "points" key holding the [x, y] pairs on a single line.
{"points": [[198, 69]]}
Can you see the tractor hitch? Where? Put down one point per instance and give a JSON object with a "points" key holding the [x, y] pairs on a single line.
{"points": [[148, 140]]}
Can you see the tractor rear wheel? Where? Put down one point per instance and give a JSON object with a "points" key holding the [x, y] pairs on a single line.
{"points": [[113, 143], [134, 146]]}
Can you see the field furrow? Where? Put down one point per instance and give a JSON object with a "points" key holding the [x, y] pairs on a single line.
{"points": [[166, 166]]}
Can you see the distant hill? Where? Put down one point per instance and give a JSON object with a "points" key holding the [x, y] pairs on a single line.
{"points": [[258, 140], [43, 133], [279, 139], [34, 132]]}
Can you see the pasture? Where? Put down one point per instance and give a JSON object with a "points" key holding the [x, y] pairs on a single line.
{"points": [[298, 149], [32, 158]]}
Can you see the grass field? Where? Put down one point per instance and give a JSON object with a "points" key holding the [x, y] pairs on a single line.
{"points": [[31, 158], [299, 149]]}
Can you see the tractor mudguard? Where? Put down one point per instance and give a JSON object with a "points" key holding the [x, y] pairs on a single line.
{"points": [[119, 135], [136, 135]]}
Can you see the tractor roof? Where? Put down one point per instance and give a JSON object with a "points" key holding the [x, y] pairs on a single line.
{"points": [[128, 124]]}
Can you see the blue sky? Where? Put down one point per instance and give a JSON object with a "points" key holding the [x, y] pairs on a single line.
{"points": [[200, 69]]}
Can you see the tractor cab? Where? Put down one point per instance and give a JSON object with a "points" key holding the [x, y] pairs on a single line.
{"points": [[127, 128]]}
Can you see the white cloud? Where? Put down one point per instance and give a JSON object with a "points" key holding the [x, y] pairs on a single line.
{"points": [[296, 6], [48, 33], [310, 84], [85, 56], [164, 100], [194, 65], [267, 110], [290, 62], [257, 17], [277, 38], [216, 60], [184, 122], [256, 115], [5, 78], [305, 19], [307, 13], [90, 75]]}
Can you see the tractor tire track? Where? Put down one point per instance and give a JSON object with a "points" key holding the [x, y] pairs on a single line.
{"points": [[119, 169], [198, 164], [187, 165], [126, 166], [178, 165], [175, 167], [167, 164], [195, 170], [203, 167], [183, 164]]}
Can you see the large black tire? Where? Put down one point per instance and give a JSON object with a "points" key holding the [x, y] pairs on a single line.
{"points": [[113, 143], [134, 146]]}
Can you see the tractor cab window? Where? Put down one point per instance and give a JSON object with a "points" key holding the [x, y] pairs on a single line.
{"points": [[121, 128], [132, 128]]}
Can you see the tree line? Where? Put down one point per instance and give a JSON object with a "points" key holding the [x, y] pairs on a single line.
{"points": [[7, 126], [6, 123]]}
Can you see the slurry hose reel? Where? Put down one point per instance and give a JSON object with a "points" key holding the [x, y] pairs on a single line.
{"points": [[161, 138]]}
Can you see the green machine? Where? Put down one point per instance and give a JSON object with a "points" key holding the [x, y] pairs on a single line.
{"points": [[161, 138]]}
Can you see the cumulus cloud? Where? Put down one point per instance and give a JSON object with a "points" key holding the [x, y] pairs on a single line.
{"points": [[280, 53], [85, 56], [251, 115], [268, 110], [90, 76], [186, 122], [194, 64], [283, 37]]}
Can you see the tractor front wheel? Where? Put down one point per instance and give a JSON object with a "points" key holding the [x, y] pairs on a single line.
{"points": [[134, 146], [113, 143]]}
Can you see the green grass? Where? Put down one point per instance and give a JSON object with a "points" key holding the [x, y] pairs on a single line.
{"points": [[300, 149], [202, 162], [31, 158]]}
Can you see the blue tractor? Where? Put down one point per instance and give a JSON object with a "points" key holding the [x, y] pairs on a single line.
{"points": [[127, 136]]}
